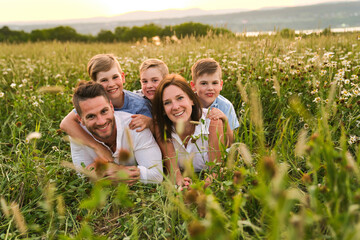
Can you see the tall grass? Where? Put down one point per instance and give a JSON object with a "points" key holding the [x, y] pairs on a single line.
{"points": [[293, 173]]}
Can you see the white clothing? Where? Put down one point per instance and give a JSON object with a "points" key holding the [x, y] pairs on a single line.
{"points": [[196, 148], [145, 154]]}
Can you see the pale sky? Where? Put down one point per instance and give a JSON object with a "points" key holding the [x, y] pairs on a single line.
{"points": [[47, 10]]}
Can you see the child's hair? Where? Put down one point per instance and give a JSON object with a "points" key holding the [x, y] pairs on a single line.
{"points": [[101, 63], [154, 63], [204, 66], [164, 123], [86, 90]]}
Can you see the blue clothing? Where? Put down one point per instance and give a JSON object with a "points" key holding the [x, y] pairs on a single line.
{"points": [[227, 108], [135, 104]]}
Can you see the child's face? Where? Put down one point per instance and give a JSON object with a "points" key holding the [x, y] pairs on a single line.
{"points": [[150, 79], [112, 81], [207, 87]]}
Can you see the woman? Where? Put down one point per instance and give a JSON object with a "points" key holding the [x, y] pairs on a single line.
{"points": [[182, 122]]}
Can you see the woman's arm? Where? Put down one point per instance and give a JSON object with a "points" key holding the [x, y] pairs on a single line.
{"points": [[170, 160], [71, 125]]}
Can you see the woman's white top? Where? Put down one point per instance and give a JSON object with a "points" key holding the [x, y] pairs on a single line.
{"points": [[197, 147]]}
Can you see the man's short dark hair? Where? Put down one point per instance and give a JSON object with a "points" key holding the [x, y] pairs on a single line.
{"points": [[86, 90]]}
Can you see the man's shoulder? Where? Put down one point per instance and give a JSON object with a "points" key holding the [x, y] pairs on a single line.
{"points": [[124, 117]]}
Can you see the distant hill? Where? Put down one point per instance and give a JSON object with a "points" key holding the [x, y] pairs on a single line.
{"points": [[320, 16]]}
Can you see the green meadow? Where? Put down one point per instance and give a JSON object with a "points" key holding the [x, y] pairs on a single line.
{"points": [[293, 172]]}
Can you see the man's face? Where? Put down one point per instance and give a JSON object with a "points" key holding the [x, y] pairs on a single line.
{"points": [[150, 79], [97, 115], [207, 87], [112, 81]]}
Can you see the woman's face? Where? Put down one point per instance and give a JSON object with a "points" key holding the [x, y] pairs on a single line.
{"points": [[177, 104]]}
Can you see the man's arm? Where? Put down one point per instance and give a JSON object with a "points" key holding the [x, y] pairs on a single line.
{"points": [[81, 154], [148, 156]]}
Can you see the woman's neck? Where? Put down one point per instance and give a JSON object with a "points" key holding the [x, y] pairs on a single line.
{"points": [[187, 130]]}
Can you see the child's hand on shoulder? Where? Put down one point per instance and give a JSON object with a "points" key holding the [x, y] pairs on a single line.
{"points": [[140, 122], [215, 114]]}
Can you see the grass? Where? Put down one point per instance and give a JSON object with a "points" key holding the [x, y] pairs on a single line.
{"points": [[293, 173]]}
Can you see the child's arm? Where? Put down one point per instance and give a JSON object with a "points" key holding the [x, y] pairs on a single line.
{"points": [[71, 126], [214, 114], [140, 122], [216, 130]]}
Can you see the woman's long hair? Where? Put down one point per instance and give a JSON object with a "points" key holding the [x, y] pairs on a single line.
{"points": [[163, 122]]}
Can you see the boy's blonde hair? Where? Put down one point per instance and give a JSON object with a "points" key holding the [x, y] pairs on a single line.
{"points": [[154, 63], [205, 66], [101, 63]]}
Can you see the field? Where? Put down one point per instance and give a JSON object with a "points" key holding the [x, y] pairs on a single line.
{"points": [[293, 172]]}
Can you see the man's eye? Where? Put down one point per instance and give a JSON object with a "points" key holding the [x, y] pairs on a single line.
{"points": [[104, 111], [116, 76], [90, 117]]}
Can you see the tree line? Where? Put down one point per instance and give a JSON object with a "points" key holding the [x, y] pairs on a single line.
{"points": [[120, 34]]}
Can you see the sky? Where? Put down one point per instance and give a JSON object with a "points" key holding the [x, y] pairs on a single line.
{"points": [[48, 10]]}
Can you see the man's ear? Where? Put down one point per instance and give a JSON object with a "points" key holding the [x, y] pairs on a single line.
{"points": [[79, 118], [112, 106], [123, 77], [192, 84]]}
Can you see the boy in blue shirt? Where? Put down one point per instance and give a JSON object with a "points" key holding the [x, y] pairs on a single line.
{"points": [[207, 83]]}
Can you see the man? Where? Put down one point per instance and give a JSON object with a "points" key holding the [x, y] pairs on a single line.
{"points": [[97, 116]]}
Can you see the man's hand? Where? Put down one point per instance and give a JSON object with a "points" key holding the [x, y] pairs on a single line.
{"points": [[139, 122], [119, 173]]}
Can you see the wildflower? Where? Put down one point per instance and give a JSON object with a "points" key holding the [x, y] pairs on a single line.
{"points": [[323, 72], [24, 81], [346, 93], [306, 126], [1, 94], [314, 91], [352, 139], [354, 77], [13, 85], [36, 104], [33, 135], [317, 99]]}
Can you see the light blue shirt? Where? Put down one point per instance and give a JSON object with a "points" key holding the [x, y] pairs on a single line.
{"points": [[135, 104], [227, 108]]}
